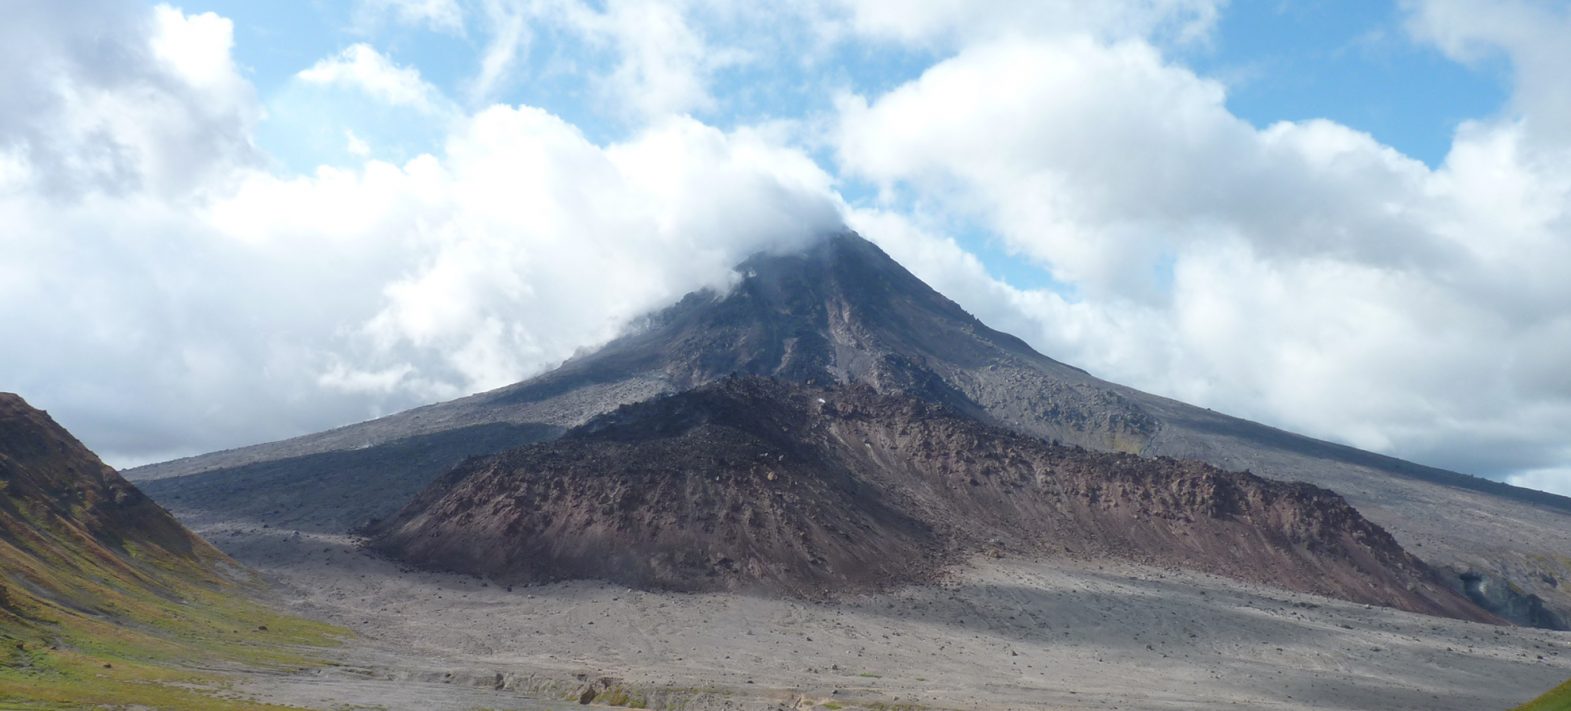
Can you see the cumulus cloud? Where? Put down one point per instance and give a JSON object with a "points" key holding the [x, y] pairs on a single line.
{"points": [[646, 59], [361, 67], [1094, 158], [1269, 272], [664, 56], [270, 304], [1554, 480], [951, 23], [534, 242], [104, 99], [507, 21], [1530, 34], [663, 65], [439, 15]]}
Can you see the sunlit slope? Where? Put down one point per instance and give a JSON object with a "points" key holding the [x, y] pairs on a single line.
{"points": [[105, 598]]}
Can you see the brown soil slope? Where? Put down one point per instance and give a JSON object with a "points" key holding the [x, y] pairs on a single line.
{"points": [[754, 483]]}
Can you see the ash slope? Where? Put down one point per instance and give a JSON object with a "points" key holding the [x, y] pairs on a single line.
{"points": [[843, 311], [755, 483]]}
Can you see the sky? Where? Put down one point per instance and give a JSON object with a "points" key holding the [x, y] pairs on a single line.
{"points": [[231, 222]]}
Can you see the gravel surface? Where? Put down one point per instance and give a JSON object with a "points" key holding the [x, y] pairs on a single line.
{"points": [[999, 634]]}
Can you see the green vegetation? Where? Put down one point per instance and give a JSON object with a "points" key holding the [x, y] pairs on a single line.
{"points": [[146, 648], [618, 696], [90, 619], [1557, 699], [106, 600]]}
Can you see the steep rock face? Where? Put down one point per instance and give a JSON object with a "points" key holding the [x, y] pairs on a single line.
{"points": [[753, 483], [70, 525]]}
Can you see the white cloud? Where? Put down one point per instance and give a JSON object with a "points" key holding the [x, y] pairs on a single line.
{"points": [[507, 21], [1554, 480], [947, 23], [340, 376], [268, 305], [355, 145], [664, 65], [1094, 159], [550, 242], [195, 47], [363, 68], [1268, 273], [1531, 34], [657, 60], [665, 55], [439, 15], [104, 100]]}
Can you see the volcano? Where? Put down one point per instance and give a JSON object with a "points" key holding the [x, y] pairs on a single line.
{"points": [[842, 312]]}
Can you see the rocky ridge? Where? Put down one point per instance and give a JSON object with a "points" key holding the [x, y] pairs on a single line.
{"points": [[761, 484]]}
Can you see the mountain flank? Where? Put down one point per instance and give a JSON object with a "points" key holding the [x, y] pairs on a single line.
{"points": [[842, 311], [762, 484], [64, 512], [104, 596]]}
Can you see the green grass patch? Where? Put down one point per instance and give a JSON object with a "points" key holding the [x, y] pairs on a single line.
{"points": [[174, 660], [1556, 699], [621, 696], [83, 625], [106, 601]]}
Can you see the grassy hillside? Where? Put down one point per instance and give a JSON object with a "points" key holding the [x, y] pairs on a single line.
{"points": [[106, 599], [159, 653], [1557, 699]]}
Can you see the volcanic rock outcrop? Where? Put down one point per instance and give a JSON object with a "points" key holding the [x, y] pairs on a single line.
{"points": [[761, 484]]}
